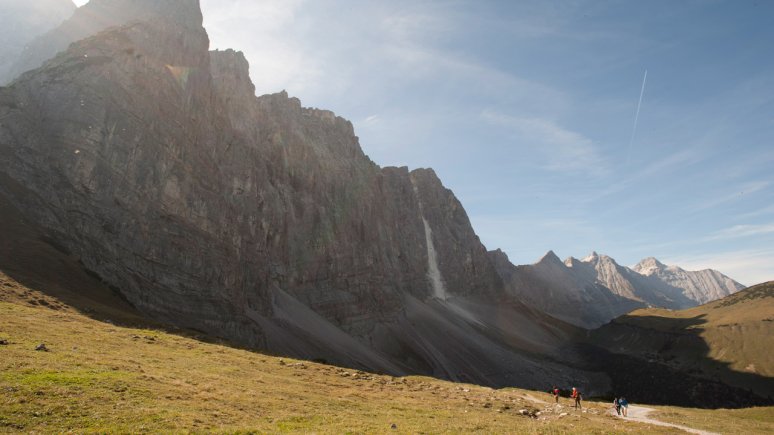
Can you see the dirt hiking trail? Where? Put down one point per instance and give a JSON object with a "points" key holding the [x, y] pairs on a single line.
{"points": [[641, 413]]}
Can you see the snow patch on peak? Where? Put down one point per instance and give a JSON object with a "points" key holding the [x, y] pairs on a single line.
{"points": [[569, 261], [591, 257], [649, 266]]}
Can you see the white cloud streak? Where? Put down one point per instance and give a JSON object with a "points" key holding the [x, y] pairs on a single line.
{"points": [[739, 231], [637, 117], [564, 150], [745, 189]]}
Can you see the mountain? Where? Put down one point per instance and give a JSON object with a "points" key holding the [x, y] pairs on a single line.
{"points": [[573, 294], [148, 160], [728, 340], [21, 22], [592, 291], [701, 286], [138, 161]]}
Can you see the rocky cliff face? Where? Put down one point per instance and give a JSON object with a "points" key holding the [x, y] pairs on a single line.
{"points": [[23, 21], [595, 290], [253, 218]]}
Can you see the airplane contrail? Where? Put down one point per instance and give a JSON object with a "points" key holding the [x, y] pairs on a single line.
{"points": [[637, 116]]}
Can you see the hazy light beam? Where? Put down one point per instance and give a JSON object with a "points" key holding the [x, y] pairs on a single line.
{"points": [[637, 117]]}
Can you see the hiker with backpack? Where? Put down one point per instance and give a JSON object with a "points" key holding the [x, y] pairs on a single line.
{"points": [[556, 394], [577, 396], [617, 405]]}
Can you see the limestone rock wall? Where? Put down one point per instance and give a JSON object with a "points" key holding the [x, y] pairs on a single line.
{"points": [[249, 218]]}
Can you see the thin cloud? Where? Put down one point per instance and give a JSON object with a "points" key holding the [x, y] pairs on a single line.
{"points": [[278, 59], [756, 213], [739, 231], [740, 191], [371, 119], [565, 150]]}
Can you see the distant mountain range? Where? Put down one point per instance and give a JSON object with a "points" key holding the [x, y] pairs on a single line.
{"points": [[592, 291]]}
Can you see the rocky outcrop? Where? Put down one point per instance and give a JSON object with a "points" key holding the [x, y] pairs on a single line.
{"points": [[253, 218], [21, 22]]}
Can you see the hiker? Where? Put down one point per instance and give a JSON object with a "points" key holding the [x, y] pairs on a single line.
{"points": [[577, 396], [624, 404], [617, 405], [556, 394]]}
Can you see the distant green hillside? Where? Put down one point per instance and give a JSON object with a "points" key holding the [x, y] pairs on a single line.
{"points": [[728, 340]]}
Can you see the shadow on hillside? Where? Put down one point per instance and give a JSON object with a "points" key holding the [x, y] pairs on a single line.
{"points": [[664, 361], [49, 276]]}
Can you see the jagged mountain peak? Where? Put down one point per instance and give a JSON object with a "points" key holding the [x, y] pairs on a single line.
{"points": [[648, 266], [607, 289], [550, 257], [499, 252], [596, 258]]}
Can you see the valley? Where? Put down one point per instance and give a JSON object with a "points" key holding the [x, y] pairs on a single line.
{"points": [[102, 376], [180, 254]]}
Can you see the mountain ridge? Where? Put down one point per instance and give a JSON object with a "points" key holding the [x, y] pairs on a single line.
{"points": [[592, 291]]}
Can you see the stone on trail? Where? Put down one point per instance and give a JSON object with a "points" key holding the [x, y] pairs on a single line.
{"points": [[41, 348]]}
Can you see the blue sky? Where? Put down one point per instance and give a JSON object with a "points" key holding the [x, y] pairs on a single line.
{"points": [[526, 111]]}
